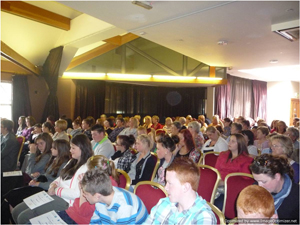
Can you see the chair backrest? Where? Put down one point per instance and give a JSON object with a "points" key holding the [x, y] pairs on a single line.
{"points": [[70, 137], [124, 179], [21, 141], [234, 184], [157, 162], [150, 193], [218, 213], [210, 158], [208, 184], [160, 131], [132, 150]]}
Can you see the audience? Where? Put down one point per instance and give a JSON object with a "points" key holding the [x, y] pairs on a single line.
{"points": [[168, 125], [183, 205], [147, 122], [87, 124], [47, 127], [293, 134], [275, 175], [65, 189], [76, 127], [249, 137], [261, 142], [281, 127], [30, 121], [216, 121], [227, 127], [175, 128], [155, 123], [132, 129], [194, 128], [101, 144]]}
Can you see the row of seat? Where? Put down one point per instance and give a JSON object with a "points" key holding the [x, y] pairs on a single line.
{"points": [[150, 192]]}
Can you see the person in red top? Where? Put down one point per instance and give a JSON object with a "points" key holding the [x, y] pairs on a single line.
{"points": [[234, 160], [82, 211], [155, 123]]}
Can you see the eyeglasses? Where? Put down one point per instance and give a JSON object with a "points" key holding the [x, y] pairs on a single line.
{"points": [[276, 146]]}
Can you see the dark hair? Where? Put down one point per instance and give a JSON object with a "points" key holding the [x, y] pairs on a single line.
{"points": [[31, 119], [126, 141], [237, 126], [242, 147], [84, 143], [97, 181], [250, 136], [167, 142], [246, 122], [175, 138], [48, 140], [228, 120], [111, 122], [188, 139], [49, 126], [177, 125], [63, 148], [8, 124], [77, 121], [38, 125], [270, 165], [121, 119], [89, 120], [220, 129], [51, 118], [98, 128]]}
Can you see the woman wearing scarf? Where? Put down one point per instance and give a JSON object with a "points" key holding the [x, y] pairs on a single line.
{"points": [[276, 175]]}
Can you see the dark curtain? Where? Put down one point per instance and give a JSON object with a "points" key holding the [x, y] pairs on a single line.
{"points": [[130, 100], [50, 74], [260, 99], [90, 98], [21, 102]]}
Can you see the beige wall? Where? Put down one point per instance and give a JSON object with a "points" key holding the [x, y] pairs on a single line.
{"points": [[279, 100], [66, 90]]}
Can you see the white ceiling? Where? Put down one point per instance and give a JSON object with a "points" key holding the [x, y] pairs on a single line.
{"points": [[191, 28]]}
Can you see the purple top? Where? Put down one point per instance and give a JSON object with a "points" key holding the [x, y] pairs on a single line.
{"points": [[26, 133]]}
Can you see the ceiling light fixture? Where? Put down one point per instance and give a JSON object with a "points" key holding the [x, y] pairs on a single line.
{"points": [[209, 78], [144, 4], [274, 61], [166, 77], [85, 76], [222, 43]]}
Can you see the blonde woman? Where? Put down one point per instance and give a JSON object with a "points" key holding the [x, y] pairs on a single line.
{"points": [[215, 142], [168, 125], [147, 122], [60, 133], [142, 167], [216, 121]]}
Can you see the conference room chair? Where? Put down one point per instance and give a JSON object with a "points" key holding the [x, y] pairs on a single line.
{"points": [[234, 183], [157, 162], [21, 141], [124, 179], [150, 193], [218, 213], [210, 158]]}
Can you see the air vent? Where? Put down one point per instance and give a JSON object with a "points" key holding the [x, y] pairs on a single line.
{"points": [[288, 30]]}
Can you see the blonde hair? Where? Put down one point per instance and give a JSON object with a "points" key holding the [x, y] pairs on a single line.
{"points": [[286, 143], [145, 139], [103, 163], [61, 124]]}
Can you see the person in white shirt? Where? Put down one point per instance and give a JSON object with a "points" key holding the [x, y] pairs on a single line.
{"points": [[101, 144]]}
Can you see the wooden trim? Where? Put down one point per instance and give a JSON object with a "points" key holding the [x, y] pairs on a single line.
{"points": [[19, 60], [111, 44], [28, 11], [212, 71]]}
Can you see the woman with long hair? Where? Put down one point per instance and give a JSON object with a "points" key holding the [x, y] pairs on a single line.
{"points": [[60, 156], [22, 125], [215, 142], [76, 127], [186, 146], [30, 121], [235, 159], [64, 189]]}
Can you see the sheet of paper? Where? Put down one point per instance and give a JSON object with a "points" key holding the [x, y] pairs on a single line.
{"points": [[48, 218], [37, 199], [12, 173]]}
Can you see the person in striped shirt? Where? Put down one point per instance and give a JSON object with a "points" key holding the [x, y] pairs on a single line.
{"points": [[113, 205], [183, 204]]}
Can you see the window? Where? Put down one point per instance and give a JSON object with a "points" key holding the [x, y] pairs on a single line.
{"points": [[6, 100]]}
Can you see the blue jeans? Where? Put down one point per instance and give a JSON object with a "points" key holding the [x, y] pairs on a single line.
{"points": [[65, 217]]}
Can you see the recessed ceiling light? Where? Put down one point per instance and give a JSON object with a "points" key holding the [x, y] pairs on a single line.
{"points": [[142, 33], [222, 43], [274, 61]]}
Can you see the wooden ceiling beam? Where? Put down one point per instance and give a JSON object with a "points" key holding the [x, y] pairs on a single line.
{"points": [[19, 60], [111, 43], [28, 11]]}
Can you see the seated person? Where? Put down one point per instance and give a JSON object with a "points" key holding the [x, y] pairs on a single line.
{"points": [[76, 127], [142, 167], [184, 205], [275, 174], [86, 125], [113, 205], [155, 123], [101, 144], [215, 142], [37, 129], [60, 133], [119, 127], [132, 129], [123, 157], [255, 202]]}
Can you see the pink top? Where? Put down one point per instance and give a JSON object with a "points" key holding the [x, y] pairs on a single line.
{"points": [[83, 214], [238, 165]]}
